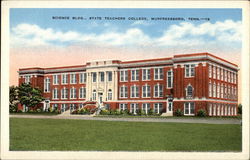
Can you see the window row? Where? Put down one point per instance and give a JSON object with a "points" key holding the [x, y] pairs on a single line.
{"points": [[145, 91], [101, 76], [222, 110], [65, 107], [146, 74], [222, 74], [222, 91], [69, 93], [145, 107]]}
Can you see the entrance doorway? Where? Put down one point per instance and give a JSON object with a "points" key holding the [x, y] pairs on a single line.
{"points": [[100, 98], [170, 105]]}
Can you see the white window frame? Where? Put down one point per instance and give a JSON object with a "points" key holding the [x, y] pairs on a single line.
{"points": [[94, 95], [158, 73], [222, 74], [146, 107], [189, 70], [218, 73], [101, 76], [27, 79], [158, 93], [134, 90], [110, 96], [73, 93], [64, 79], [73, 78], [55, 79], [94, 80], [82, 93], [55, 94], [123, 106], [170, 79], [147, 91], [64, 93], [123, 75], [218, 90], [109, 76], [222, 91], [146, 76], [134, 107], [82, 78], [214, 72], [135, 74], [189, 108], [158, 108], [187, 94], [210, 71], [123, 91], [214, 90], [210, 89], [47, 85]]}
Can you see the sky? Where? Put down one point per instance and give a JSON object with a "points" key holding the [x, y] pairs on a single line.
{"points": [[39, 38]]}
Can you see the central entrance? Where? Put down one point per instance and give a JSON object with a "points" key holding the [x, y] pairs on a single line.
{"points": [[100, 98]]}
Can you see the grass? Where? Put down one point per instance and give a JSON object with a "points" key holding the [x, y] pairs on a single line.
{"points": [[75, 135], [35, 113]]}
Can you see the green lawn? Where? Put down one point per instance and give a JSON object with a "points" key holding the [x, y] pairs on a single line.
{"points": [[75, 135]]}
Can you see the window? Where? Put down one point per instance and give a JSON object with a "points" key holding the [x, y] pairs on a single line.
{"points": [[158, 73], [110, 94], [64, 107], [73, 93], [146, 107], [134, 107], [102, 77], [210, 89], [189, 92], [109, 76], [64, 93], [214, 90], [27, 79], [222, 110], [82, 78], [124, 76], [218, 90], [218, 73], [221, 91], [55, 94], [82, 92], [189, 108], [64, 78], [225, 91], [134, 75], [134, 91], [228, 76], [225, 78], [170, 79], [221, 74], [72, 78], [123, 91], [189, 70], [158, 107], [46, 84], [94, 95], [146, 74], [146, 91], [210, 71], [158, 90], [218, 110], [214, 110], [93, 76], [54, 107], [235, 75], [214, 72], [123, 106], [55, 79], [210, 110]]}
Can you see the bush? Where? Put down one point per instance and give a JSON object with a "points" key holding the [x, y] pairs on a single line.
{"points": [[19, 111], [138, 112], [105, 112], [151, 111], [178, 112], [240, 109], [39, 110], [201, 113]]}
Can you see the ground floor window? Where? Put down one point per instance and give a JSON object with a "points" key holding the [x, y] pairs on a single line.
{"points": [[64, 107], [158, 107], [134, 107], [54, 107], [123, 106], [72, 107], [146, 107], [189, 108]]}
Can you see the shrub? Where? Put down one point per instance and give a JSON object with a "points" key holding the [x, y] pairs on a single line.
{"points": [[30, 111], [20, 111], [151, 111], [240, 109], [138, 112], [105, 112], [39, 110], [201, 113], [178, 112]]}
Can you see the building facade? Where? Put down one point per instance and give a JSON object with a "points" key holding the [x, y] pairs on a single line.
{"points": [[188, 82]]}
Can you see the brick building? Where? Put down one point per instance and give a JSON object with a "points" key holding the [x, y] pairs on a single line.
{"points": [[189, 82]]}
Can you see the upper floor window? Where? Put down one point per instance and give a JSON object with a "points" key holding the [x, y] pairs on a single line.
{"points": [[189, 92], [158, 73], [27, 79], [221, 91], [124, 76], [218, 90], [135, 75], [73, 93], [214, 90], [94, 77], [109, 76], [72, 78], [214, 72], [210, 89], [210, 71], [102, 77], [170, 79], [56, 79], [218, 73], [134, 91], [109, 94], [222, 74], [146, 74], [123, 91], [146, 91], [158, 90], [82, 77], [82, 92], [46, 84], [189, 70], [225, 76], [94, 95], [55, 94], [64, 78], [64, 93]]}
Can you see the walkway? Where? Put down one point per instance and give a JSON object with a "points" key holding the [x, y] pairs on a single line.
{"points": [[169, 119]]}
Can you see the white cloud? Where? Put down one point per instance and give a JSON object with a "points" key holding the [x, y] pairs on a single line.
{"points": [[184, 34]]}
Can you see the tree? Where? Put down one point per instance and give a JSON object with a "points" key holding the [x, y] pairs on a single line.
{"points": [[13, 98], [240, 109], [29, 96]]}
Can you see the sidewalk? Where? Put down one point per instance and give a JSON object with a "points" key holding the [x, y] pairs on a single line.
{"points": [[181, 120]]}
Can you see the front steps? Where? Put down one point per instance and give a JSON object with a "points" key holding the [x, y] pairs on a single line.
{"points": [[167, 114]]}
